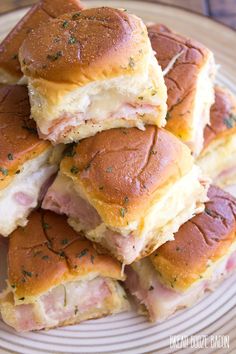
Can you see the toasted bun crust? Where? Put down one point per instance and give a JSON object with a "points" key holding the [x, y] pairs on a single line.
{"points": [[181, 79], [39, 13], [120, 170], [87, 42], [206, 237], [223, 117], [19, 141], [48, 252]]}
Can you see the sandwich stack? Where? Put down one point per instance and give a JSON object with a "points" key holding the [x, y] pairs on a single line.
{"points": [[111, 133]]}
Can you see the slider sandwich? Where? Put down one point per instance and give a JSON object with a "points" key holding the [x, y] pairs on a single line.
{"points": [[180, 272], [41, 12], [27, 164], [56, 277], [128, 190], [189, 71], [90, 71], [218, 157]]}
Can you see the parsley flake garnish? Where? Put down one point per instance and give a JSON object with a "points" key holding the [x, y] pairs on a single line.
{"points": [[10, 156], [87, 167], [230, 121], [208, 212], [109, 169], [82, 253], [76, 310], [26, 273], [74, 170], [131, 63], [45, 226], [168, 116], [65, 24], [4, 171], [153, 152], [64, 242], [54, 57], [76, 16], [72, 40], [126, 200], [69, 153], [65, 296], [123, 211], [30, 129], [45, 258]]}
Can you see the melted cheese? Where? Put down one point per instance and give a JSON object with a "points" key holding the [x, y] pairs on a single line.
{"points": [[26, 184], [103, 99]]}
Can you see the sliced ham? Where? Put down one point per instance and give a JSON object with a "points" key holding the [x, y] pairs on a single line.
{"points": [[63, 199], [23, 199], [62, 304], [128, 246], [62, 126]]}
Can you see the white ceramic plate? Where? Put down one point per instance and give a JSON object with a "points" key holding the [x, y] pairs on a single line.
{"points": [[129, 333]]}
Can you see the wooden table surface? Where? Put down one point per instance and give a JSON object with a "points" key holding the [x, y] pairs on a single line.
{"points": [[221, 10]]}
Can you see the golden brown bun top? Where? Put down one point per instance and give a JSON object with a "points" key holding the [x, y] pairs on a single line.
{"points": [[206, 237], [181, 79], [39, 13], [19, 141], [48, 252], [121, 170], [223, 116], [83, 46]]}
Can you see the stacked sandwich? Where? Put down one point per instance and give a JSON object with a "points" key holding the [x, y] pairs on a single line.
{"points": [[94, 191]]}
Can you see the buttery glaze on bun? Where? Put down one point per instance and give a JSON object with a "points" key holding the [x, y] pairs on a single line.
{"points": [[92, 70], [217, 158], [10, 71], [123, 188], [130, 165], [49, 235], [26, 163], [56, 277], [189, 74], [199, 243]]}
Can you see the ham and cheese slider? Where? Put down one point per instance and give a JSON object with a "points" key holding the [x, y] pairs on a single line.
{"points": [[44, 10], [91, 71], [26, 162], [56, 277], [189, 71], [128, 190], [218, 157], [202, 255]]}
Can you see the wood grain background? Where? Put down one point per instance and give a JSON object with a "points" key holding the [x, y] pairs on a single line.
{"points": [[221, 10]]}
